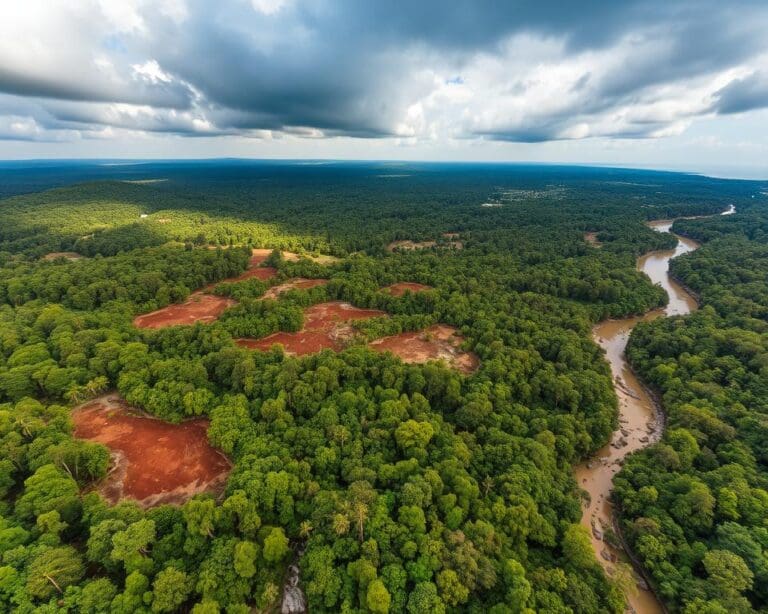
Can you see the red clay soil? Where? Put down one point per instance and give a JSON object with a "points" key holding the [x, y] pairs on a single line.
{"points": [[325, 326], [154, 462], [438, 342], [199, 307], [263, 273], [299, 283], [402, 287], [258, 256]]}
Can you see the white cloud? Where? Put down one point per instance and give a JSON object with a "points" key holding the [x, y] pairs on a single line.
{"points": [[269, 7]]}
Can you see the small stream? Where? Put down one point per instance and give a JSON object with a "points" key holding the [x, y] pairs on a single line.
{"points": [[640, 423]]}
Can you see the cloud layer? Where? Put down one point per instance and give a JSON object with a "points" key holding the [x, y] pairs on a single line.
{"points": [[525, 71]]}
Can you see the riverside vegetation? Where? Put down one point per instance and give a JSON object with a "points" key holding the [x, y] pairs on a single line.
{"points": [[396, 487]]}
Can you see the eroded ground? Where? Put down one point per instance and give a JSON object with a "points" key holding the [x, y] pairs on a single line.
{"points": [[591, 238], [402, 287], [154, 462], [299, 283], [326, 325], [410, 245], [199, 307], [67, 255], [438, 342], [407, 245]]}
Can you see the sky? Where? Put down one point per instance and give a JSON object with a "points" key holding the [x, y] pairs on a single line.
{"points": [[653, 83]]}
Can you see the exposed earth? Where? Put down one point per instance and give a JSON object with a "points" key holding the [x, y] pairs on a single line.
{"points": [[325, 326], [199, 307], [438, 342], [591, 238], [67, 255], [154, 462], [299, 283], [402, 287]]}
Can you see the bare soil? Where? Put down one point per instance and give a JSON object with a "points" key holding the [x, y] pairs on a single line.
{"points": [[438, 342], [410, 245], [198, 307], [407, 245], [591, 238], [67, 255], [154, 462], [402, 287], [325, 326], [299, 283], [261, 254], [263, 273]]}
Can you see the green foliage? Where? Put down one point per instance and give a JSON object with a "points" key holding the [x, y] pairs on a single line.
{"points": [[694, 505], [394, 487]]}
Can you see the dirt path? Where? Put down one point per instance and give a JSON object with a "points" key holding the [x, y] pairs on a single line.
{"points": [[640, 424]]}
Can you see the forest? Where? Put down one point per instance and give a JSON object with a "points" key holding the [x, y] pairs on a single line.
{"points": [[393, 487], [695, 506]]}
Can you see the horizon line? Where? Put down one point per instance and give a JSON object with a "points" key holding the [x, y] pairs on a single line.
{"points": [[605, 165]]}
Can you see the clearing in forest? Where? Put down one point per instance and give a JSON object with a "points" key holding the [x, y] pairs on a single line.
{"points": [[407, 245], [438, 342], [326, 325], [402, 287], [198, 307], [300, 283], [591, 238], [67, 255], [154, 462]]}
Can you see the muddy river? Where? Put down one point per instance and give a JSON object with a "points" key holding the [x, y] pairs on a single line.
{"points": [[639, 422]]}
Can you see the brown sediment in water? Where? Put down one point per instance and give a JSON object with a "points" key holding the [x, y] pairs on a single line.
{"points": [[299, 283], [402, 287], [66, 255], [325, 326], [154, 462], [198, 307], [640, 423], [438, 342]]}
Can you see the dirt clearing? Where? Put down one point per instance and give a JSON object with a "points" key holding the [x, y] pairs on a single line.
{"points": [[67, 255], [198, 307], [402, 287], [154, 462], [591, 238], [325, 326], [438, 342], [299, 283], [410, 245]]}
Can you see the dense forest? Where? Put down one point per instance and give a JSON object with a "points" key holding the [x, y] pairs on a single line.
{"points": [[695, 506], [394, 487]]}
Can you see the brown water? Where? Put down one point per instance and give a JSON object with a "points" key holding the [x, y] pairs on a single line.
{"points": [[640, 423]]}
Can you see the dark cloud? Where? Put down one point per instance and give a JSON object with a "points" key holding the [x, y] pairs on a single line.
{"points": [[745, 94], [361, 68]]}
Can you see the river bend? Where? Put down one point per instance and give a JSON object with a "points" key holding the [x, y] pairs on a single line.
{"points": [[640, 423]]}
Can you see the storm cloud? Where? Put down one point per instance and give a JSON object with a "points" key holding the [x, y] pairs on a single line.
{"points": [[525, 71]]}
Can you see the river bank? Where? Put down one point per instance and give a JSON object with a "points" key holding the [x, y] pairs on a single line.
{"points": [[640, 419]]}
